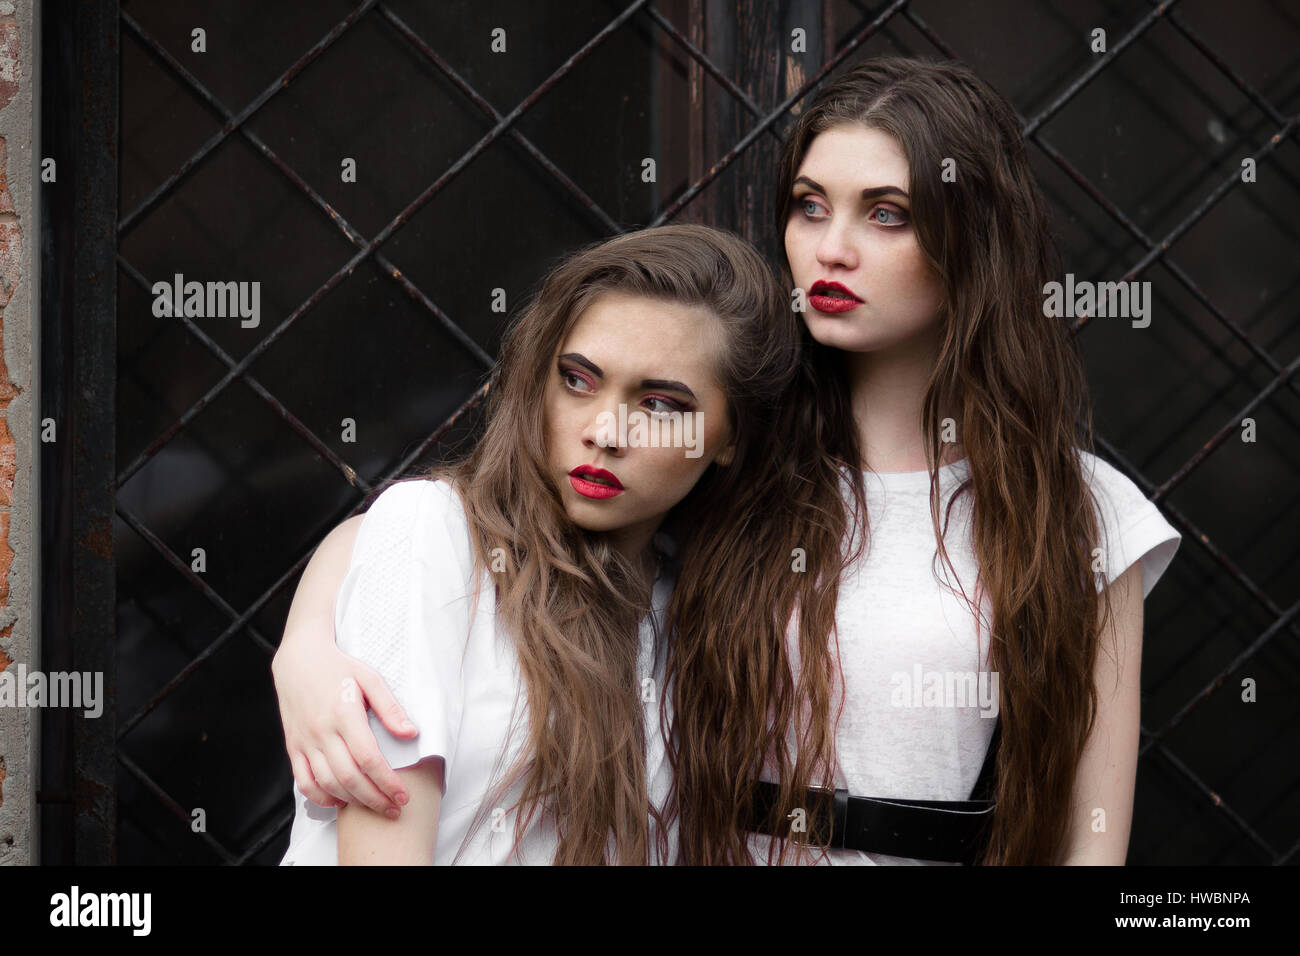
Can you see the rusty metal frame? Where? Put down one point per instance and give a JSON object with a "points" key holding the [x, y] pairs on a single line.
{"points": [[78, 392]]}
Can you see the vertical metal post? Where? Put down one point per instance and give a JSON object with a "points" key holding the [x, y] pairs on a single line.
{"points": [[79, 392], [752, 42]]}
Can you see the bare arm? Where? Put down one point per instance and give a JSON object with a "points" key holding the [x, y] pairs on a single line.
{"points": [[311, 615], [1103, 788], [367, 838], [323, 693]]}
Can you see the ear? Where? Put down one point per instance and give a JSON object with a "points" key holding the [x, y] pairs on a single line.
{"points": [[726, 456]]}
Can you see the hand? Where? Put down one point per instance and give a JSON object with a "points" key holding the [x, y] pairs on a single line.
{"points": [[323, 695]]}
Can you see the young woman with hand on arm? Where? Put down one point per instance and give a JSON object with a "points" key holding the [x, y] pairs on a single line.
{"points": [[511, 600]]}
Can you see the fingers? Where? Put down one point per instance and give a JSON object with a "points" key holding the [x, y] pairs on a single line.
{"points": [[384, 704], [374, 766], [361, 741], [306, 781], [324, 776], [350, 778]]}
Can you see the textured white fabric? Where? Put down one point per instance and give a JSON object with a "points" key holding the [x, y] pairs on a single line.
{"points": [[404, 609], [895, 618]]}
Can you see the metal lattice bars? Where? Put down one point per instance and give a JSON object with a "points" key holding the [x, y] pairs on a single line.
{"points": [[504, 125]]}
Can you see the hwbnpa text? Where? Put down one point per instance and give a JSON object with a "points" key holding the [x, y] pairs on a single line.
{"points": [[102, 909], [1176, 896], [209, 300]]}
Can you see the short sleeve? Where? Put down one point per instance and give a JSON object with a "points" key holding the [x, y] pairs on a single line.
{"points": [[1132, 528], [401, 610]]}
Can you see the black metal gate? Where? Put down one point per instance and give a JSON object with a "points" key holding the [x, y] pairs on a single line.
{"points": [[382, 171]]}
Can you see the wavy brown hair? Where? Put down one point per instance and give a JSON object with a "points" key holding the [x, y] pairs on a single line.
{"points": [[571, 602], [1018, 381], [740, 687]]}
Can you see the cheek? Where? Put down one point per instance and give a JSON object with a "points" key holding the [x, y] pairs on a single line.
{"points": [[909, 258], [913, 263], [911, 274], [928, 285], [669, 475], [798, 244], [559, 428], [670, 468]]}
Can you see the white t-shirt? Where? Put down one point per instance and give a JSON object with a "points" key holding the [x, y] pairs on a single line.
{"points": [[901, 633], [404, 609]]}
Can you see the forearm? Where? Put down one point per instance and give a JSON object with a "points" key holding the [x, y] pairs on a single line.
{"points": [[1102, 804], [1105, 850], [367, 838], [1101, 826]]}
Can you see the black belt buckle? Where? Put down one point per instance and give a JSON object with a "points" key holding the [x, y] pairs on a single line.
{"points": [[825, 819]]}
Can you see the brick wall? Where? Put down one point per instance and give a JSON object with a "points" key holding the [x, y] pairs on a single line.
{"points": [[19, 525]]}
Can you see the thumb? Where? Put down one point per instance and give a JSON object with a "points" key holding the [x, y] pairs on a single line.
{"points": [[385, 705]]}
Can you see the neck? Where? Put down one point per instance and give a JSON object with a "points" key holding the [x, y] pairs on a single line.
{"points": [[887, 392], [634, 544]]}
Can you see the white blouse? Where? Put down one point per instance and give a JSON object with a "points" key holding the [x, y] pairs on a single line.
{"points": [[904, 639], [404, 610]]}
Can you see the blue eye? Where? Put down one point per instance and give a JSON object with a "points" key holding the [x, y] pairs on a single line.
{"points": [[888, 212]]}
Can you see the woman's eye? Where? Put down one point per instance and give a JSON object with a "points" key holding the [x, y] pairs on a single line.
{"points": [[888, 212], [810, 206], [574, 380], [665, 406]]}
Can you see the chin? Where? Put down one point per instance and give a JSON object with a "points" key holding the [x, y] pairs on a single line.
{"points": [[585, 515], [864, 334], [839, 334]]}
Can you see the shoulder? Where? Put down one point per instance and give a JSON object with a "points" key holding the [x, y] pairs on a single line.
{"points": [[423, 518], [413, 496], [1121, 503], [1132, 528], [411, 566], [1105, 479]]}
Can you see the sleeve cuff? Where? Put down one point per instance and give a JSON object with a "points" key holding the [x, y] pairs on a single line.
{"points": [[1153, 542]]}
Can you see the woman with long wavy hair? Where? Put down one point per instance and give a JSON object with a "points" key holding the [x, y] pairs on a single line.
{"points": [[982, 538], [942, 523], [507, 597]]}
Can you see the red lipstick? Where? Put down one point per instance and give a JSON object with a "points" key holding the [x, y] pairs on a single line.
{"points": [[592, 482], [824, 298]]}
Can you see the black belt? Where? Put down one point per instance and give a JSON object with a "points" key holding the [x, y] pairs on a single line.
{"points": [[940, 830]]}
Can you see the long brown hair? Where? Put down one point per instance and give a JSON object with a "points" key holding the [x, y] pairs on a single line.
{"points": [[571, 602], [1018, 380]]}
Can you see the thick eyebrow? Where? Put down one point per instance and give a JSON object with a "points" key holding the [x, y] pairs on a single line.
{"points": [[578, 358], [874, 193], [669, 385]]}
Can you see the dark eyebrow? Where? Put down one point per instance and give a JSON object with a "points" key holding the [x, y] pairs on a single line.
{"points": [[874, 193], [579, 359], [667, 384]]}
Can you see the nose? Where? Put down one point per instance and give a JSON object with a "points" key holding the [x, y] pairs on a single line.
{"points": [[602, 431], [836, 246]]}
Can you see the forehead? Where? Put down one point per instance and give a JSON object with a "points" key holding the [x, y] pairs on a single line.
{"points": [[856, 157], [638, 337]]}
